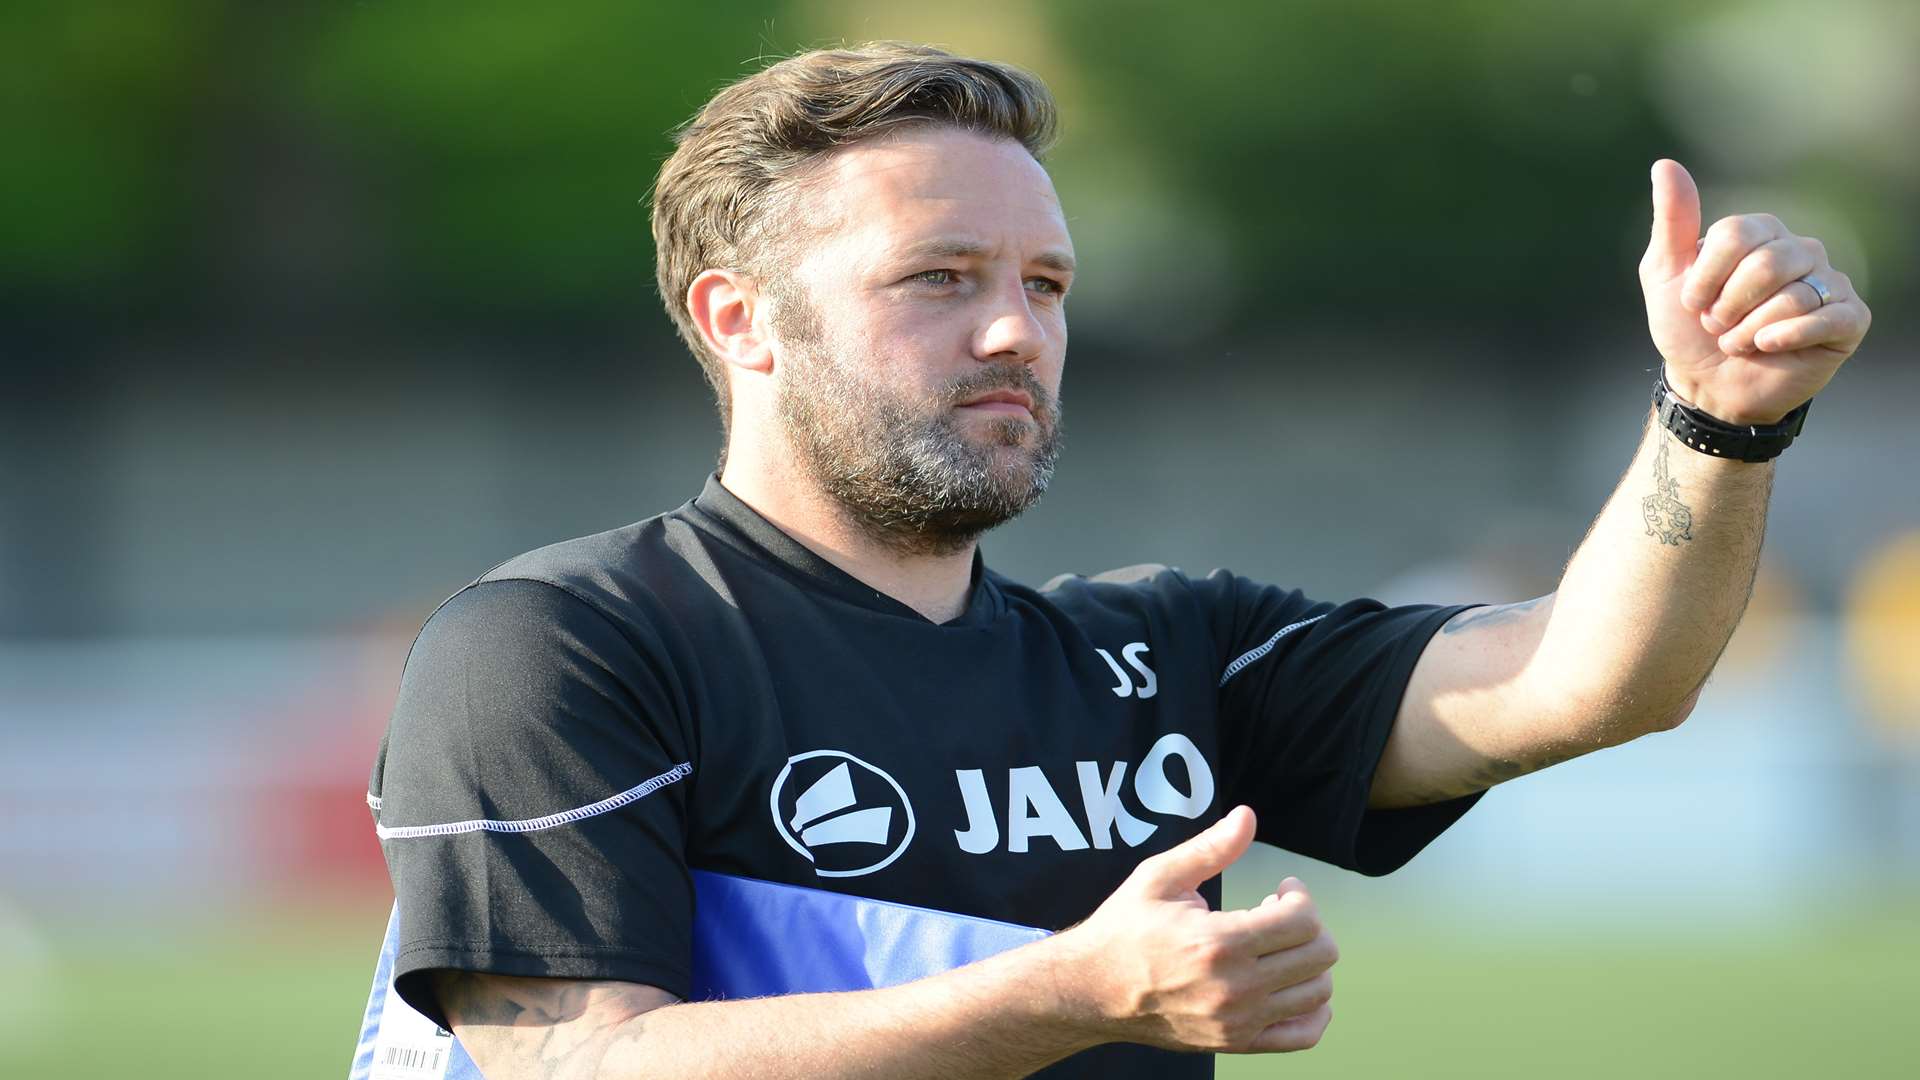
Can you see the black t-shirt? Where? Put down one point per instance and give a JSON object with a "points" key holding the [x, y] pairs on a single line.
{"points": [[586, 724]]}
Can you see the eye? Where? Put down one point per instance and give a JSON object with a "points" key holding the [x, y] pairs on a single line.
{"points": [[935, 277], [1047, 285]]}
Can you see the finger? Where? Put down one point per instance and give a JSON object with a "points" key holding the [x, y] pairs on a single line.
{"points": [[1838, 326], [1795, 298], [1287, 885], [1298, 1033], [1299, 999], [1289, 921], [1765, 271], [1676, 221], [1728, 241], [1180, 870], [1290, 967]]}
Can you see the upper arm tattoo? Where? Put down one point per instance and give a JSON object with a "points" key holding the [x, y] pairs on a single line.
{"points": [[562, 1029]]}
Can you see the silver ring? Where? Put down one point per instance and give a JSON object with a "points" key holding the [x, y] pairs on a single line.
{"points": [[1819, 289]]}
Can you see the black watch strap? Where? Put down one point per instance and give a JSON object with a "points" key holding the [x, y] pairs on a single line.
{"points": [[1717, 438]]}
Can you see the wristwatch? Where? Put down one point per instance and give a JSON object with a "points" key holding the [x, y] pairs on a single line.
{"points": [[1717, 438]]}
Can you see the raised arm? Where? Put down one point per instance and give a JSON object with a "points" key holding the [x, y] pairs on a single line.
{"points": [[1651, 596], [1153, 965]]}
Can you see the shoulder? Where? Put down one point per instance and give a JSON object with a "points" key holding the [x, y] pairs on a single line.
{"points": [[1152, 597], [549, 650], [1225, 606], [642, 578], [597, 596], [1126, 592], [605, 568], [1126, 584], [1144, 586]]}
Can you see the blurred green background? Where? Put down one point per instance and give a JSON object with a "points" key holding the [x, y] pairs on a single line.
{"points": [[313, 311], [276, 996]]}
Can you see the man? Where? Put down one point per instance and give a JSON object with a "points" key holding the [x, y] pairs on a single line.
{"points": [[805, 677]]}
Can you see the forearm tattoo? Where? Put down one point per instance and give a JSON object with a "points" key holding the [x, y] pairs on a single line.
{"points": [[554, 1029], [1667, 517]]}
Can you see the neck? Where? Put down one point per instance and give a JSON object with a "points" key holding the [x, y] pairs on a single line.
{"points": [[935, 585]]}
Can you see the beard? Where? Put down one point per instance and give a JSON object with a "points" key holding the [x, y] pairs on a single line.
{"points": [[899, 465]]}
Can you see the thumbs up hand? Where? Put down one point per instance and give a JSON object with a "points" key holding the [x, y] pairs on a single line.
{"points": [[1745, 335], [1154, 965]]}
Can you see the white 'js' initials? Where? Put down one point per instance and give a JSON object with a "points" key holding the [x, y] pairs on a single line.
{"points": [[1125, 687]]}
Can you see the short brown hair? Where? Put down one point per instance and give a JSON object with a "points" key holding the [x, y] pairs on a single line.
{"points": [[715, 201]]}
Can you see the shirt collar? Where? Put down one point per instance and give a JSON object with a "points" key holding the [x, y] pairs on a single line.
{"points": [[724, 508]]}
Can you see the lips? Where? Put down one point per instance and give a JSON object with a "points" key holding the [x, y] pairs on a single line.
{"points": [[1001, 401]]}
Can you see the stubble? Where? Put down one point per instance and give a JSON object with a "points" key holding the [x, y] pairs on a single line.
{"points": [[898, 463]]}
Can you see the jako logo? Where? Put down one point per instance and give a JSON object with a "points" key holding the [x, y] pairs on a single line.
{"points": [[843, 815], [1035, 810]]}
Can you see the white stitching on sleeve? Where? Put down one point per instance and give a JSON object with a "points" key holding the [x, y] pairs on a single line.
{"points": [[1264, 648], [527, 825]]}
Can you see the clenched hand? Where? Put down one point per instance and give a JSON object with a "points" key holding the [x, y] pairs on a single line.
{"points": [[1155, 965], [1745, 339]]}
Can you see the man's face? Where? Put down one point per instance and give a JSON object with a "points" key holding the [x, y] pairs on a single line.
{"points": [[921, 336]]}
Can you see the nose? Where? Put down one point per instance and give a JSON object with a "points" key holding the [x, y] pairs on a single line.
{"points": [[1012, 331]]}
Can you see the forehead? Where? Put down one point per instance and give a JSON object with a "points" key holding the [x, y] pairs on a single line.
{"points": [[897, 191]]}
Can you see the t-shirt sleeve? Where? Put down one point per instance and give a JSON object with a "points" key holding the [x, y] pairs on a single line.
{"points": [[1308, 695], [532, 797]]}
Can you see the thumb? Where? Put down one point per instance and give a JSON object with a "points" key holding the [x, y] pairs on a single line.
{"points": [[1676, 221], [1181, 870]]}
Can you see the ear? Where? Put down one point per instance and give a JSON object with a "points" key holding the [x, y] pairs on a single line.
{"points": [[725, 306]]}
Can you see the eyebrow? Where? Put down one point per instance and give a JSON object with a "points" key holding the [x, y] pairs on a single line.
{"points": [[966, 249]]}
